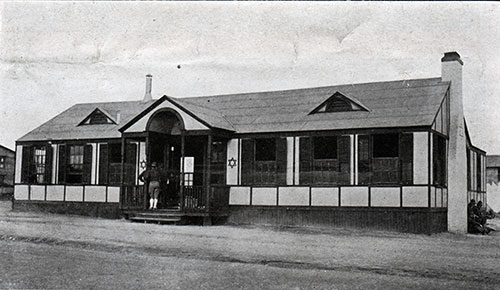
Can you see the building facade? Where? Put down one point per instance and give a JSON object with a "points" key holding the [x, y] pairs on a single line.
{"points": [[7, 161], [388, 155]]}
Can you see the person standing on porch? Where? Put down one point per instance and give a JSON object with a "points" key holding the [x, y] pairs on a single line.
{"points": [[152, 176]]}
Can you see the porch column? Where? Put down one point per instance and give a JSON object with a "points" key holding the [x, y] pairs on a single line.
{"points": [[122, 189], [181, 177]]}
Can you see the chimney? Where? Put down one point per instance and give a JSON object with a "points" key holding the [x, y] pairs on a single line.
{"points": [[149, 83], [451, 71]]}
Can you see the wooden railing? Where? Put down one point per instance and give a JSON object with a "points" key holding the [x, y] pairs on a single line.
{"points": [[194, 198], [132, 197]]}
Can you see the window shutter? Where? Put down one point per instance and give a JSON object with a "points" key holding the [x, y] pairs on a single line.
{"points": [[281, 155], [26, 164], [103, 164], [305, 174], [62, 163], [48, 164], [406, 157], [87, 164], [247, 160], [364, 157], [344, 151]]}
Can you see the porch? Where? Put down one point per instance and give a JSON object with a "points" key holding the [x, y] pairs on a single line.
{"points": [[197, 205]]}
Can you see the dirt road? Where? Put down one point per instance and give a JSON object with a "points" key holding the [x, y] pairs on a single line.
{"points": [[40, 251]]}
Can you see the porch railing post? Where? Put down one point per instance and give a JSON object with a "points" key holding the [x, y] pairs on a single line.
{"points": [[181, 177]]}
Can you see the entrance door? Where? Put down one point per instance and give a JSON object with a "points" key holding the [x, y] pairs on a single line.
{"points": [[165, 150]]}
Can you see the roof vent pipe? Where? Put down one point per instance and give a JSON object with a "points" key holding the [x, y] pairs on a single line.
{"points": [[149, 82]]}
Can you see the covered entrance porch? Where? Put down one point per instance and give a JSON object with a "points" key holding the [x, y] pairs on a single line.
{"points": [[192, 166]]}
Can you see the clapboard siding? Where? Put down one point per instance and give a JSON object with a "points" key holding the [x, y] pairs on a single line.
{"points": [[414, 220]]}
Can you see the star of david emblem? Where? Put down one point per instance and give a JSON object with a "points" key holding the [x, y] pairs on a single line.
{"points": [[143, 164], [231, 162]]}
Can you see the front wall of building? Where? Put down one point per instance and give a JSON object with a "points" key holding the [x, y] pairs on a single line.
{"points": [[420, 193]]}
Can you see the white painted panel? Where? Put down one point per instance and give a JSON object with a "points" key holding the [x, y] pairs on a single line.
{"points": [[433, 196], [19, 162], [352, 156], [354, 196], [74, 193], [414, 196], [55, 151], [264, 196], [232, 162], [113, 194], [420, 158], [141, 162], [356, 170], [95, 193], [239, 195], [431, 168], [37, 192], [297, 160], [445, 197], [474, 169], [386, 196], [189, 122], [289, 160], [21, 192], [298, 196], [55, 192], [324, 196], [93, 173]]}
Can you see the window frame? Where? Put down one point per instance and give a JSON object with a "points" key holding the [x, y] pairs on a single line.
{"points": [[3, 160]]}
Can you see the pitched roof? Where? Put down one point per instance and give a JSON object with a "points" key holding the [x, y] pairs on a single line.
{"points": [[401, 103], [492, 160], [65, 125]]}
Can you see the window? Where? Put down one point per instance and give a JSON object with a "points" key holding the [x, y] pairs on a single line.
{"points": [[110, 163], [263, 161], [385, 159], [385, 146], [2, 162], [36, 164], [39, 164], [385, 163], [75, 164], [479, 173], [2, 179], [339, 103], [97, 117], [265, 149], [218, 163], [439, 160], [325, 147], [325, 160]]}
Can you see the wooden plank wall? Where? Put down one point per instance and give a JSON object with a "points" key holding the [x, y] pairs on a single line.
{"points": [[411, 220]]}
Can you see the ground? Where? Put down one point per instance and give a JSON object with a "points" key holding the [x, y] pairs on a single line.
{"points": [[46, 251]]}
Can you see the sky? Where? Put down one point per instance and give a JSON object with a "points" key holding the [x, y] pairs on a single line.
{"points": [[56, 54]]}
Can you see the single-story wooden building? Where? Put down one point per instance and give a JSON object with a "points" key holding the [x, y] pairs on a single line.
{"points": [[387, 155], [7, 161]]}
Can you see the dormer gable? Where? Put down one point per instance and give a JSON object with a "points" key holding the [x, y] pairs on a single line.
{"points": [[339, 102], [98, 117]]}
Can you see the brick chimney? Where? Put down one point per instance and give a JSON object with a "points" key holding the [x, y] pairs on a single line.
{"points": [[451, 70], [149, 83]]}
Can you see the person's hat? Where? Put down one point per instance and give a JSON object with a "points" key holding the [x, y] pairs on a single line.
{"points": [[153, 164]]}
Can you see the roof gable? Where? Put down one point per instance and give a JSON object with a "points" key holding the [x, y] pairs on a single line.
{"points": [[339, 102], [98, 117]]}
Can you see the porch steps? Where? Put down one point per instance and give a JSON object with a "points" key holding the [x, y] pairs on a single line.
{"points": [[157, 216]]}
